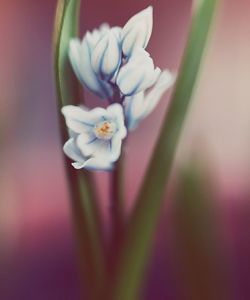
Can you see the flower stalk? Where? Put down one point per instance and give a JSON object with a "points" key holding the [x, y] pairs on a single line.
{"points": [[117, 202], [85, 212], [145, 215]]}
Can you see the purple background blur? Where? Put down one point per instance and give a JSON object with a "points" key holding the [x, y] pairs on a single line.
{"points": [[37, 255]]}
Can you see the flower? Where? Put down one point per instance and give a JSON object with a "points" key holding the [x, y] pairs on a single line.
{"points": [[137, 74], [137, 32], [80, 54], [96, 136], [139, 106], [113, 64], [106, 53]]}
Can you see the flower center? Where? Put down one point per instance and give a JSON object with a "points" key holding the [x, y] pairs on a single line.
{"points": [[105, 130]]}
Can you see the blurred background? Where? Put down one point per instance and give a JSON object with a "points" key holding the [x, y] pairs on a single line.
{"points": [[202, 248]]}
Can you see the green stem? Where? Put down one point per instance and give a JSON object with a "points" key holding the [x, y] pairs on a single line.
{"points": [[144, 218], [117, 199], [85, 211]]}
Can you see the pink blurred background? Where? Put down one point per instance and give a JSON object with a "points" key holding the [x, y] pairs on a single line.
{"points": [[37, 254]]}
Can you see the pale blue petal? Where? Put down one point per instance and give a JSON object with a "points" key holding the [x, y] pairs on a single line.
{"points": [[140, 105], [164, 82], [74, 56], [95, 164], [72, 151], [109, 150], [106, 56], [117, 114], [138, 74], [118, 32], [137, 31], [115, 145], [72, 134], [78, 165], [87, 143], [77, 119], [134, 109], [98, 114], [103, 29], [103, 150], [79, 54]]}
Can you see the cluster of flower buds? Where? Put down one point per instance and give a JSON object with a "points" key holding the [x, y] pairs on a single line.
{"points": [[113, 64]]}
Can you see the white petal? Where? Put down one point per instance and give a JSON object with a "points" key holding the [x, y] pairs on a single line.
{"points": [[79, 54], [137, 31], [72, 151], [72, 134], [103, 150], [106, 56], [87, 143], [134, 109], [140, 106], [108, 150], [103, 29], [98, 164], [164, 82], [98, 114], [117, 114], [77, 119], [95, 36], [78, 165], [116, 143], [137, 75], [115, 109], [118, 32], [74, 56]]}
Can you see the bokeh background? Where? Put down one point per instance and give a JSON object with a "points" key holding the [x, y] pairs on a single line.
{"points": [[191, 259]]}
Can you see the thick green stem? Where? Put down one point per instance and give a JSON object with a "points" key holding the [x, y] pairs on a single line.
{"points": [[144, 218], [85, 212]]}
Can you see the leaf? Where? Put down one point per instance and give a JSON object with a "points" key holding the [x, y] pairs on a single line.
{"points": [[144, 218], [66, 27], [85, 213]]}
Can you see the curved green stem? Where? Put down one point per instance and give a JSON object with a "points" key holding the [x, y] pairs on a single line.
{"points": [[145, 215], [85, 210]]}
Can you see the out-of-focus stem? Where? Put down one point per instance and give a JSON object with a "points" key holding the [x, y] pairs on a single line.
{"points": [[117, 200], [136, 250]]}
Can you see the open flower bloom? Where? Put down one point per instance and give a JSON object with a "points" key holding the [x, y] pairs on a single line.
{"points": [[139, 106], [96, 136]]}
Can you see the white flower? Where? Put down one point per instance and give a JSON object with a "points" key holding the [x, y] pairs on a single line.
{"points": [[139, 106], [137, 31], [106, 56], [97, 136], [137, 74], [80, 58]]}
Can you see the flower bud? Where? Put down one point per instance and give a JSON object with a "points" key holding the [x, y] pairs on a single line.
{"points": [[137, 31], [139, 106], [80, 58], [138, 74], [106, 56]]}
